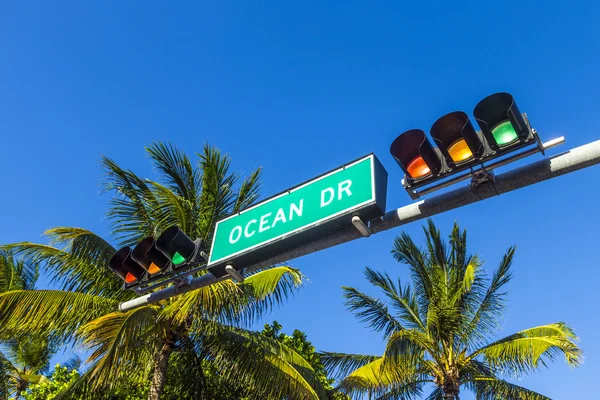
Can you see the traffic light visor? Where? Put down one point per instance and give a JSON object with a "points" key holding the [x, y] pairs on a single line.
{"points": [[500, 120], [456, 138], [415, 155], [149, 257], [125, 267], [176, 245]]}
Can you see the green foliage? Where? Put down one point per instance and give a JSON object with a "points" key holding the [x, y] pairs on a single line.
{"points": [[438, 328], [49, 388], [300, 344]]}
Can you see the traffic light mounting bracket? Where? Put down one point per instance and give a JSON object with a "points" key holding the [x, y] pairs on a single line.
{"points": [[475, 174]]}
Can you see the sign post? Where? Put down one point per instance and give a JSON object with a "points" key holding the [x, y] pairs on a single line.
{"points": [[310, 210]]}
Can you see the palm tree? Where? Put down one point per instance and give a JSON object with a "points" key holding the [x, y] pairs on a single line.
{"points": [[205, 325], [22, 362], [438, 329]]}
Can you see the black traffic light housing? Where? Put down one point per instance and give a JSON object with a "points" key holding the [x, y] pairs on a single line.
{"points": [[504, 129], [496, 109], [448, 132], [157, 261], [125, 267], [406, 150], [149, 257], [177, 246]]}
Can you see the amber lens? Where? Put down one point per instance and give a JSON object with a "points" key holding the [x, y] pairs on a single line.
{"points": [[459, 150], [153, 269], [417, 168]]}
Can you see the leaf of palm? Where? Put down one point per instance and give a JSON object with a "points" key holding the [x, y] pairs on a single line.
{"points": [[16, 274], [259, 361], [526, 350], [131, 209], [75, 271], [218, 196], [173, 209], [403, 300], [183, 179], [483, 320], [340, 365], [405, 354], [491, 388], [32, 353], [371, 310], [249, 191], [373, 379], [122, 344], [243, 303], [406, 251], [49, 313]]}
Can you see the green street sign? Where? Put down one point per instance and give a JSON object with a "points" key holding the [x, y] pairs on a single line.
{"points": [[300, 215]]}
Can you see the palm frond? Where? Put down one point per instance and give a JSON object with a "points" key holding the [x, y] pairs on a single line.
{"points": [[176, 168], [233, 303], [491, 388], [218, 196], [402, 299], [371, 311], [173, 209], [79, 267], [32, 353], [483, 320], [121, 343], [131, 207], [73, 363], [405, 391], [339, 365], [438, 251], [16, 274], [405, 250], [265, 290], [249, 191], [531, 348], [259, 361], [192, 383], [49, 313], [373, 379]]}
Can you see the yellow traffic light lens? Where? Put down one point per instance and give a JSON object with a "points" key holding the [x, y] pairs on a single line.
{"points": [[130, 278], [417, 168], [504, 133], [153, 269], [459, 150]]}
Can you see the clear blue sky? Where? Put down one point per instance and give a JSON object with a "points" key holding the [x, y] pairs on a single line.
{"points": [[300, 88]]}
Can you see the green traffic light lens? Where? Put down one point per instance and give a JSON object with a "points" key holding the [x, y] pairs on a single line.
{"points": [[504, 133], [178, 258]]}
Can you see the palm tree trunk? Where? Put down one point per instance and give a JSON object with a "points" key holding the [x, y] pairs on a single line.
{"points": [[159, 377]]}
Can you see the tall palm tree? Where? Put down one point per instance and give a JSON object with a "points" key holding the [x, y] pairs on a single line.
{"points": [[21, 362], [199, 326], [438, 329]]}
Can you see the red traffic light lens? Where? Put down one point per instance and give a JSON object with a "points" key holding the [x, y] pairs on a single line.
{"points": [[130, 278], [417, 168]]}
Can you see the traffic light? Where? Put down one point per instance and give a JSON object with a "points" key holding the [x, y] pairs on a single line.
{"points": [[176, 245], [459, 146], [501, 121], [415, 155], [149, 257], [125, 267], [152, 260]]}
